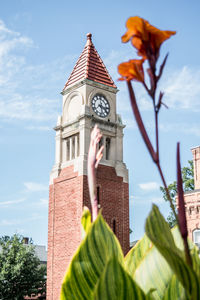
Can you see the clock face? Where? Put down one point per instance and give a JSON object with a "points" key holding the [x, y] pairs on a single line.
{"points": [[100, 105]]}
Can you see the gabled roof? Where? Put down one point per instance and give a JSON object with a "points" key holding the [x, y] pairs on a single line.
{"points": [[90, 66]]}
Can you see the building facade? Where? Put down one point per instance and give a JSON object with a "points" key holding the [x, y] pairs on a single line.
{"points": [[192, 201], [89, 98]]}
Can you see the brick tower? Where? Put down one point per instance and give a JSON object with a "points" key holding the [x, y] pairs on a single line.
{"points": [[89, 97]]}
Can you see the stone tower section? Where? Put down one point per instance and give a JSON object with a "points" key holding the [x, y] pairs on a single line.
{"points": [[196, 162], [89, 98]]}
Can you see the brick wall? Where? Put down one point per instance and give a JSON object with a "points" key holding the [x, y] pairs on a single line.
{"points": [[67, 196], [192, 201], [192, 198]]}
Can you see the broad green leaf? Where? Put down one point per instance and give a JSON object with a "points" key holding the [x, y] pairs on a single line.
{"points": [[145, 264], [136, 254], [175, 290], [159, 234], [116, 284], [179, 241], [194, 251], [177, 237], [195, 260], [85, 220], [89, 261], [153, 272], [157, 228]]}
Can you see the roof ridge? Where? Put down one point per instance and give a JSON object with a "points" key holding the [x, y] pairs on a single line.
{"points": [[87, 59], [70, 76], [90, 66], [103, 65]]}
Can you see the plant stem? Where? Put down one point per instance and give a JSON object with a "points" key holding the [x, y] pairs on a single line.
{"points": [[140, 122], [167, 191], [154, 155], [156, 130], [187, 252], [181, 208], [92, 190]]}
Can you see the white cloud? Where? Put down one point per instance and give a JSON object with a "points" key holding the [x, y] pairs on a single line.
{"points": [[43, 202], [192, 128], [181, 86], [130, 123], [39, 128], [182, 89], [35, 187], [157, 200], [113, 59], [24, 108], [14, 222], [28, 92], [9, 41], [11, 202], [141, 200], [149, 186]]}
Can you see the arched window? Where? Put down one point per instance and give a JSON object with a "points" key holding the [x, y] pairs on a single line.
{"points": [[196, 237], [78, 150], [68, 149], [98, 196], [114, 226], [107, 148], [101, 142], [73, 147]]}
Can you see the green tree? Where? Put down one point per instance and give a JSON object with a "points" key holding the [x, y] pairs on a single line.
{"points": [[188, 185], [20, 271]]}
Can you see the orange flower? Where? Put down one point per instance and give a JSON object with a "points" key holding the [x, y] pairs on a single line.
{"points": [[132, 70], [145, 37]]}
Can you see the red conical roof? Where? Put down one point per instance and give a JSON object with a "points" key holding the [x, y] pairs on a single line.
{"points": [[90, 66]]}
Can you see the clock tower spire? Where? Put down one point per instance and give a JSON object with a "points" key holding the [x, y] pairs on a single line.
{"points": [[89, 98]]}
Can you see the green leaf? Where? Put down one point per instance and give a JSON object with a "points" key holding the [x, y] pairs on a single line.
{"points": [[153, 272], [136, 254], [194, 251], [195, 260], [89, 261], [85, 220], [116, 284], [175, 290], [177, 238], [159, 233], [158, 229], [145, 264]]}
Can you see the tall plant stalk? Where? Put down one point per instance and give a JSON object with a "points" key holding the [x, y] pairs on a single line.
{"points": [[147, 40]]}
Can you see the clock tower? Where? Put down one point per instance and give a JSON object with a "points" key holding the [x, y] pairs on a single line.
{"points": [[89, 98]]}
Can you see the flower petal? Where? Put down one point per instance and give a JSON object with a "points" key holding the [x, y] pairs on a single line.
{"points": [[132, 70], [143, 34]]}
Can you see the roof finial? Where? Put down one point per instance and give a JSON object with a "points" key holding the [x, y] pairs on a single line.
{"points": [[89, 39], [89, 36]]}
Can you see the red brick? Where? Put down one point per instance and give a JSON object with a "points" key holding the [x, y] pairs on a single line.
{"points": [[67, 196]]}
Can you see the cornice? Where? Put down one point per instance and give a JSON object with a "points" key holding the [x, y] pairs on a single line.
{"points": [[91, 83]]}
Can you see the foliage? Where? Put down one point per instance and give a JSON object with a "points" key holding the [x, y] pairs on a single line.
{"points": [[188, 185], [155, 268], [20, 271]]}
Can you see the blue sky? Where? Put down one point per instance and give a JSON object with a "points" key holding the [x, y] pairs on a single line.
{"points": [[40, 42]]}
